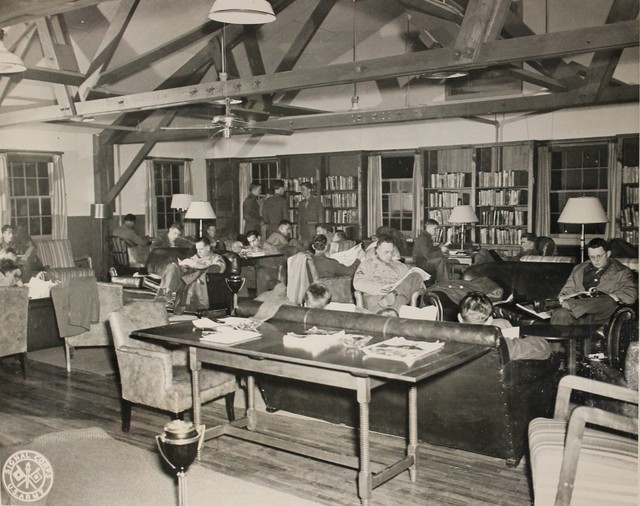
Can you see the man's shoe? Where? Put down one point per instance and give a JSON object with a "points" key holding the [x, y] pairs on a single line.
{"points": [[546, 305]]}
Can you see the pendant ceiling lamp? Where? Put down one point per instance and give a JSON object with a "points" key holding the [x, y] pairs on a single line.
{"points": [[242, 12], [9, 62]]}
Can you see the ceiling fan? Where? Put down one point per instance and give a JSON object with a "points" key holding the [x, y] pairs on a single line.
{"points": [[230, 123]]}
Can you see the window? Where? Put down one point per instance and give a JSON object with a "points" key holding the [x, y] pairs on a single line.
{"points": [[30, 192], [578, 171], [264, 173], [169, 179], [397, 193]]}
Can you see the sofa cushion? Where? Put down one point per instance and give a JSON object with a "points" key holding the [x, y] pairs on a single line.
{"points": [[552, 259]]}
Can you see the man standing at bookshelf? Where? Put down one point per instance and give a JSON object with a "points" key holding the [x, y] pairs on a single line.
{"points": [[607, 282], [251, 209], [310, 213], [275, 209], [428, 256]]}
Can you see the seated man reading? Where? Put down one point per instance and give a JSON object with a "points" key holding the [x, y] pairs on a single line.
{"points": [[178, 277], [172, 238], [386, 282], [329, 267], [602, 281]]}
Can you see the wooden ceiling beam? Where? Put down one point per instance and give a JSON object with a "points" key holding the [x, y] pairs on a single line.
{"points": [[538, 103], [492, 53], [483, 21], [536, 78], [20, 48], [108, 46], [14, 12]]}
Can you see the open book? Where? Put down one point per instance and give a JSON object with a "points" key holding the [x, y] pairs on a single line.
{"points": [[529, 309], [591, 292], [402, 349], [414, 270]]}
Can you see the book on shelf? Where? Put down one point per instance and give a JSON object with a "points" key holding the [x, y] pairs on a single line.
{"points": [[402, 349], [630, 175], [505, 177]]}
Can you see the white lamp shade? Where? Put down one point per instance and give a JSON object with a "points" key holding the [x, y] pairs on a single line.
{"points": [[242, 12], [200, 211], [9, 62], [463, 214], [181, 201], [583, 210]]}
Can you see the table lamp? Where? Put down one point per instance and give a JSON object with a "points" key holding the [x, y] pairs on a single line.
{"points": [[199, 210], [582, 210], [463, 215], [181, 202]]}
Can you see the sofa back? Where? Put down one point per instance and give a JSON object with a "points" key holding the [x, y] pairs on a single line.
{"points": [[55, 253], [525, 280]]}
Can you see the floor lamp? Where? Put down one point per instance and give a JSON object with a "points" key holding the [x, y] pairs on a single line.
{"points": [[199, 210], [462, 215], [181, 202], [582, 211]]}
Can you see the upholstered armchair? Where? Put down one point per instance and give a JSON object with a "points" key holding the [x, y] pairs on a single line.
{"points": [[111, 298], [154, 376], [57, 256], [14, 302], [572, 464], [341, 287]]}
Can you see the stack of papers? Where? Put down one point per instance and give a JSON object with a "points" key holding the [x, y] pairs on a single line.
{"points": [[402, 349], [227, 331], [313, 343]]}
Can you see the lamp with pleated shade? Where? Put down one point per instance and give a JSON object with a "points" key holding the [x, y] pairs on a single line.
{"points": [[581, 211], [242, 12], [199, 210], [462, 215]]}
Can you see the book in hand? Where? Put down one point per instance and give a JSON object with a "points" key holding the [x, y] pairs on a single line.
{"points": [[530, 309], [414, 270], [402, 349], [584, 294]]}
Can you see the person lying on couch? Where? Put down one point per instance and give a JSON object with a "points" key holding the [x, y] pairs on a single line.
{"points": [[606, 282], [178, 277]]}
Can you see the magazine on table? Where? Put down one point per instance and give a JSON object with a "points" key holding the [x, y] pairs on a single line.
{"points": [[402, 349], [227, 331]]}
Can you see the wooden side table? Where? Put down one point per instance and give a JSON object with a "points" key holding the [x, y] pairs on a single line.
{"points": [[42, 327]]}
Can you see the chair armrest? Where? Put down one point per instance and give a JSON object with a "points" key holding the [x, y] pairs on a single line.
{"points": [[137, 363], [573, 443], [570, 383], [359, 298], [82, 259], [619, 334]]}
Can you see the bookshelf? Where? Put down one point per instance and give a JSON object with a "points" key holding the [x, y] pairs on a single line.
{"points": [[341, 192], [629, 190], [504, 194], [448, 181], [295, 171]]}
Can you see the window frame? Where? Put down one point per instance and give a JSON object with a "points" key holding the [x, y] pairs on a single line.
{"points": [[167, 215], [406, 194]]}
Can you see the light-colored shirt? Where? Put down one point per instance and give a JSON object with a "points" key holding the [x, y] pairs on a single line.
{"points": [[129, 235], [373, 275], [196, 262]]}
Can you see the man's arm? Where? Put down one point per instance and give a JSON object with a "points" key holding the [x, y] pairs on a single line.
{"points": [[363, 280], [573, 283], [625, 289]]}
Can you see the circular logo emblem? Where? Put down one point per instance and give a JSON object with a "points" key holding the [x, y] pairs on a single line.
{"points": [[27, 476]]}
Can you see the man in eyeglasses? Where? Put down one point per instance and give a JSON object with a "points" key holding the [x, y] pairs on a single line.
{"points": [[595, 288]]}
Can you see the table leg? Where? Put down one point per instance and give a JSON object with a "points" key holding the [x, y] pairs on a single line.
{"points": [[251, 403], [364, 475], [571, 356], [413, 431], [195, 366]]}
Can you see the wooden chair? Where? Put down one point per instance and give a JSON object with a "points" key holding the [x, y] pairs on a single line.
{"points": [[152, 375], [111, 298], [14, 302], [572, 464], [118, 249]]}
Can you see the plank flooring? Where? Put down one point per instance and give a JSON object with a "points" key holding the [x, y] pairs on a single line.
{"points": [[49, 401]]}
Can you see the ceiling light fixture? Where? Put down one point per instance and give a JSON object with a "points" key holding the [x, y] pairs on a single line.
{"points": [[446, 74], [9, 63], [242, 12]]}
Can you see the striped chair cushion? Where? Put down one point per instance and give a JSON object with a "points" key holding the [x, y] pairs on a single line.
{"points": [[55, 252], [66, 273], [607, 465], [552, 259]]}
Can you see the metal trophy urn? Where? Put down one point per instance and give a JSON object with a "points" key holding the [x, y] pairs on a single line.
{"points": [[179, 447], [235, 282]]}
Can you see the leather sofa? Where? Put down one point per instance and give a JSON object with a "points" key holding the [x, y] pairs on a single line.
{"points": [[483, 406], [220, 297]]}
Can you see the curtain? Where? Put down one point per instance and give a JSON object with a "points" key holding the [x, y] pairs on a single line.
{"points": [[5, 191], [244, 169], [151, 206], [418, 195], [614, 203], [374, 194], [58, 199], [543, 187], [187, 187]]}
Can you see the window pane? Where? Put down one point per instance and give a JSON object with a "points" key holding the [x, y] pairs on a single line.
{"points": [[573, 179], [34, 207], [46, 225], [30, 169], [32, 186], [18, 188], [45, 204], [573, 158], [43, 186], [17, 170], [43, 171], [21, 207], [34, 226]]}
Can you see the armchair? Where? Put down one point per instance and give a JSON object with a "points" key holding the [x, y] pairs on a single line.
{"points": [[111, 298], [154, 376], [585, 465], [14, 302], [120, 253], [360, 297], [57, 256]]}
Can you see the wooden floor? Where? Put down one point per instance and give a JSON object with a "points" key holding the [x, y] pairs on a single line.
{"points": [[49, 400]]}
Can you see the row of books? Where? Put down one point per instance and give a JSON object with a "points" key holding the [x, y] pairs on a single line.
{"points": [[447, 199], [343, 216], [629, 217], [294, 200], [504, 217], [502, 197], [503, 178], [630, 175], [450, 180], [293, 185], [440, 215], [630, 236], [340, 200], [501, 236], [631, 195], [341, 182]]}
